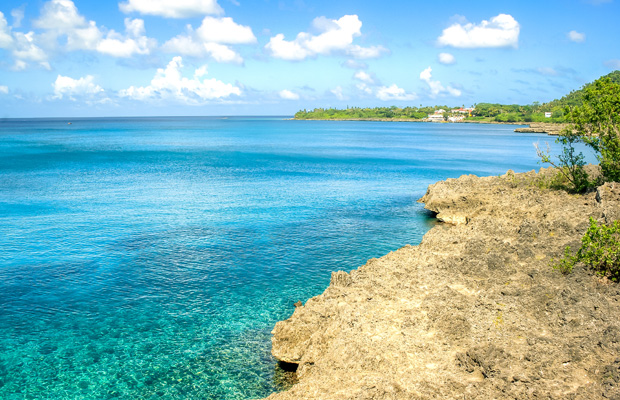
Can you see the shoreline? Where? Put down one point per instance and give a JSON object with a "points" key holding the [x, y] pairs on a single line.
{"points": [[552, 129], [474, 310]]}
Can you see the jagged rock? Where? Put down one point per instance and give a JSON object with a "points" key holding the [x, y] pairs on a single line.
{"points": [[474, 311]]}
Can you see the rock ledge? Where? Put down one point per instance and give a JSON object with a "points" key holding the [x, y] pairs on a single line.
{"points": [[474, 311]]}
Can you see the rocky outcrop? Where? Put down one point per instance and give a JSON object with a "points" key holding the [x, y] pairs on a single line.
{"points": [[474, 311], [543, 127]]}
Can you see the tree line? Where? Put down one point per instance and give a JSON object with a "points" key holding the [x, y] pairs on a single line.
{"points": [[484, 112]]}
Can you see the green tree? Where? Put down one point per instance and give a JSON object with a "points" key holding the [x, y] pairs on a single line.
{"points": [[596, 122]]}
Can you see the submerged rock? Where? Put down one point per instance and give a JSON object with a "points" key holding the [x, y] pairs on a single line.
{"points": [[474, 311]]}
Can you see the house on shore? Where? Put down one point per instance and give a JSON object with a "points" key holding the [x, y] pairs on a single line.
{"points": [[437, 116], [462, 110], [456, 118]]}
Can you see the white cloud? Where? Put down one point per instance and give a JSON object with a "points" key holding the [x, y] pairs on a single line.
{"points": [[62, 18], [72, 88], [18, 16], [61, 15], [210, 39], [288, 95], [172, 8], [222, 53], [436, 87], [224, 30], [393, 92], [25, 49], [185, 45], [364, 77], [360, 52], [84, 38], [501, 31], [135, 42], [364, 88], [576, 37], [337, 91], [446, 58], [353, 64], [6, 40], [169, 83], [280, 48], [189, 45], [4, 89], [20, 65], [335, 36]]}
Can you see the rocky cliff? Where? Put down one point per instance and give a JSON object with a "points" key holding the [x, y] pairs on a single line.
{"points": [[474, 311]]}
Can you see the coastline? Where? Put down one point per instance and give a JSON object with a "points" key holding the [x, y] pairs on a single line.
{"points": [[474, 310], [551, 129]]}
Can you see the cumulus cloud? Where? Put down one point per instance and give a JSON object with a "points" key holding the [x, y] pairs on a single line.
{"points": [[23, 46], [387, 93], [169, 83], [501, 31], [446, 58], [25, 49], [4, 89], [360, 52], [364, 88], [189, 45], [338, 92], [436, 87], [135, 42], [288, 95], [61, 18], [335, 36], [212, 39], [224, 30], [6, 40], [576, 37], [364, 77], [222, 53], [172, 8], [65, 86]]}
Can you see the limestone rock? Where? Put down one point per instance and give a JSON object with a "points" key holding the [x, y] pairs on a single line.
{"points": [[474, 311]]}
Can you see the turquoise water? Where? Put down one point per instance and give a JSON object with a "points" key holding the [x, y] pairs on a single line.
{"points": [[150, 258]]}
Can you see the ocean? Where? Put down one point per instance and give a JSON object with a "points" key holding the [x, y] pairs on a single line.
{"points": [[151, 257]]}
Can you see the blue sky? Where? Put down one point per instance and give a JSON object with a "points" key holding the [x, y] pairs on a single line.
{"points": [[266, 57]]}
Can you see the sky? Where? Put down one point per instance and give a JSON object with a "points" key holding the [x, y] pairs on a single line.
{"points": [[64, 58]]}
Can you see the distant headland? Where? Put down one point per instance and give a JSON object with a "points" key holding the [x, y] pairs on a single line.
{"points": [[548, 117]]}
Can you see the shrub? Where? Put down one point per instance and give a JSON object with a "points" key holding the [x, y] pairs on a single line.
{"points": [[597, 124], [600, 251]]}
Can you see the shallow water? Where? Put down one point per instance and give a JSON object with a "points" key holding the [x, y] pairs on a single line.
{"points": [[150, 258]]}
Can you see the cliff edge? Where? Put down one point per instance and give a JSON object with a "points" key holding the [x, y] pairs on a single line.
{"points": [[474, 311]]}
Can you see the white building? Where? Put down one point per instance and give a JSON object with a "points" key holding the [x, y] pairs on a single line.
{"points": [[435, 117], [462, 110]]}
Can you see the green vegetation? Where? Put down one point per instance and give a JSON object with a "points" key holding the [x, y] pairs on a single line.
{"points": [[393, 112], [484, 112], [600, 251], [596, 122], [575, 97]]}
